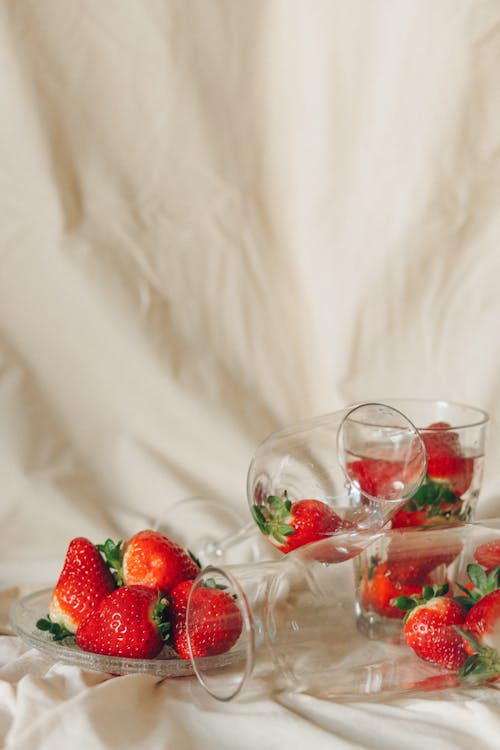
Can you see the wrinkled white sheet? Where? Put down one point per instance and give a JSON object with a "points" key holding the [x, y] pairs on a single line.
{"points": [[217, 218]]}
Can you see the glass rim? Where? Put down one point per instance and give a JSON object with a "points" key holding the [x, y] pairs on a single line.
{"points": [[248, 627], [483, 417], [409, 427]]}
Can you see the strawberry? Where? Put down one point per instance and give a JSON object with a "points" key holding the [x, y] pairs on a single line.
{"points": [[428, 626], [129, 622], [83, 582], [178, 603], [290, 525], [379, 590], [215, 621], [378, 478], [151, 559], [445, 459], [413, 560], [449, 476], [480, 584], [483, 620], [481, 636], [488, 555]]}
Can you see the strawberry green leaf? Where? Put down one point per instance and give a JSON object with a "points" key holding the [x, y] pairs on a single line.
{"points": [[435, 497], [404, 603], [113, 555], [477, 576], [465, 601], [58, 632], [260, 519], [160, 617], [482, 665]]}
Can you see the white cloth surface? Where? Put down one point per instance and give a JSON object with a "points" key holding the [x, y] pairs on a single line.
{"points": [[218, 218]]}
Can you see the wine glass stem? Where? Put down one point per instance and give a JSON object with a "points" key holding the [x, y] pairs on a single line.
{"points": [[217, 549]]}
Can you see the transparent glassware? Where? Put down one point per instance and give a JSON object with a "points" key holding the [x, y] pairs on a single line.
{"points": [[298, 619], [311, 459], [363, 462], [212, 530], [455, 439]]}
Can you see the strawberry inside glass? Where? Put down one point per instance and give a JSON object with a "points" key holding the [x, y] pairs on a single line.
{"points": [[447, 495], [444, 496]]}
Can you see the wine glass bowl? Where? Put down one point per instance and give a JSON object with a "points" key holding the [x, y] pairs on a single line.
{"points": [[362, 462]]}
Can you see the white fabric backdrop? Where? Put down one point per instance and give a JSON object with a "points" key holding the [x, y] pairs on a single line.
{"points": [[219, 217]]}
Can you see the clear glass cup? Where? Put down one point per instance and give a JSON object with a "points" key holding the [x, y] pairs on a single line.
{"points": [[318, 460], [455, 439], [298, 618]]}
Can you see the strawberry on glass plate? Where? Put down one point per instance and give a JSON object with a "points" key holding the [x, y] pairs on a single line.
{"points": [[27, 611], [111, 608]]}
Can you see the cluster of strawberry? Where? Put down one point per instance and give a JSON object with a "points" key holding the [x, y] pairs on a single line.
{"points": [[439, 500], [130, 599], [449, 476], [462, 632]]}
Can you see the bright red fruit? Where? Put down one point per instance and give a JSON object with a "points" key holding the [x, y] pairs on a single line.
{"points": [[445, 459], [290, 525], [379, 478], [429, 627], [154, 560], [215, 622], [379, 590], [412, 563], [178, 603], [483, 621], [488, 555], [84, 581], [129, 622], [481, 637], [449, 476]]}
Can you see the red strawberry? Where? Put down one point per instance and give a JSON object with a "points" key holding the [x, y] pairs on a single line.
{"points": [[412, 559], [380, 479], [178, 603], [488, 555], [152, 559], [290, 525], [449, 476], [84, 581], [483, 621], [215, 621], [379, 591], [445, 459], [481, 636], [428, 627], [129, 622]]}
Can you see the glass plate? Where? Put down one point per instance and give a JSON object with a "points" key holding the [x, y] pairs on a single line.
{"points": [[28, 609]]}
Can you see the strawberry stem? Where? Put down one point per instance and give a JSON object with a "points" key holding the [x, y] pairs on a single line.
{"points": [[484, 583], [113, 556], [482, 665], [408, 603], [273, 518], [434, 497], [160, 617]]}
